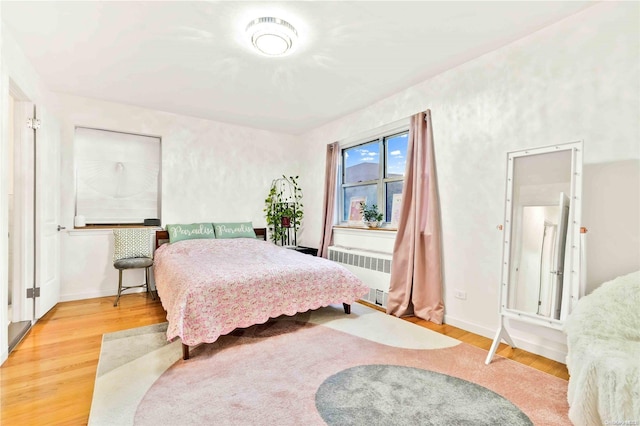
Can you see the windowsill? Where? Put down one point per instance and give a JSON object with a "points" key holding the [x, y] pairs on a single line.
{"points": [[379, 240], [86, 231], [104, 229], [362, 233], [111, 226], [364, 228]]}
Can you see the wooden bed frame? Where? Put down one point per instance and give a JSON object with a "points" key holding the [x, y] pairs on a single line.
{"points": [[162, 237]]}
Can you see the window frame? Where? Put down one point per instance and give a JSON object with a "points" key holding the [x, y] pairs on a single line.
{"points": [[90, 225], [382, 179]]}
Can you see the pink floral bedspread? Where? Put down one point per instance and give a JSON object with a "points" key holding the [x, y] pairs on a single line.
{"points": [[210, 287]]}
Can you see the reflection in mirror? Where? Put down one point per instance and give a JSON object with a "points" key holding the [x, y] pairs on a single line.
{"points": [[540, 211], [536, 282]]}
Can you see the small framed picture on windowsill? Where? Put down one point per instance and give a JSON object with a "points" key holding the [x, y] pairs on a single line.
{"points": [[355, 212]]}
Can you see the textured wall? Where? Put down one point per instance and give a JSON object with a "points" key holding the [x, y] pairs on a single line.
{"points": [[211, 171], [575, 80]]}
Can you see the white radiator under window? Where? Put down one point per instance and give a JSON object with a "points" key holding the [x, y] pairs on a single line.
{"points": [[373, 268]]}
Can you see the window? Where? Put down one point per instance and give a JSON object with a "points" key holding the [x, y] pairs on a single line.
{"points": [[117, 177], [374, 170]]}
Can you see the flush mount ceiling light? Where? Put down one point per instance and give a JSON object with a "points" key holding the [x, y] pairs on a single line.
{"points": [[271, 36]]}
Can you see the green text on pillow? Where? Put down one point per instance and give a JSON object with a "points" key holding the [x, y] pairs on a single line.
{"points": [[234, 230], [190, 231]]}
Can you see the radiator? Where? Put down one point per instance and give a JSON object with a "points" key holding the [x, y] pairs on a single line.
{"points": [[373, 268]]}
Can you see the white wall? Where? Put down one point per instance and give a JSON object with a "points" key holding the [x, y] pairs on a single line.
{"points": [[575, 80], [4, 220], [211, 171]]}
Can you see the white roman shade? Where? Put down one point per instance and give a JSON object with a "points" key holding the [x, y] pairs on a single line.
{"points": [[117, 176]]}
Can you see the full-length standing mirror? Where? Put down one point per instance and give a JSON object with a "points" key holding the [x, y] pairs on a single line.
{"points": [[541, 273]]}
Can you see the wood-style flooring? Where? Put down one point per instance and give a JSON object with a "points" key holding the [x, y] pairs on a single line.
{"points": [[48, 378], [523, 357]]}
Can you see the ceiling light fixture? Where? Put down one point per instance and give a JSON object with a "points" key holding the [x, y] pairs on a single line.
{"points": [[271, 36]]}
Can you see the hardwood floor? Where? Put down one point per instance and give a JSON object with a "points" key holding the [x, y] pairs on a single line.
{"points": [[48, 379], [523, 357]]}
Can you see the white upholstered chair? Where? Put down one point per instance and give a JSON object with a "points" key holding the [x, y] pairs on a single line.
{"points": [[132, 251]]}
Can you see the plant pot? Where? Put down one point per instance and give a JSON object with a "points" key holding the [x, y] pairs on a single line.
{"points": [[373, 223]]}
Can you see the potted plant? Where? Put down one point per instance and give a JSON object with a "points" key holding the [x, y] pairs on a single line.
{"points": [[283, 210], [371, 216]]}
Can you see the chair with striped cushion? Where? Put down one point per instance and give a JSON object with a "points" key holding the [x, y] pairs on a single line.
{"points": [[132, 251]]}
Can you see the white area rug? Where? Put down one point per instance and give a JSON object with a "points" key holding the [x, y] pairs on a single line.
{"points": [[289, 370]]}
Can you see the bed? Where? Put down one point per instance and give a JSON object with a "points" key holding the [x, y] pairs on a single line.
{"points": [[210, 287]]}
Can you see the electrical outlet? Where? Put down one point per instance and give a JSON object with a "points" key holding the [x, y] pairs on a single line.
{"points": [[461, 295], [379, 297]]}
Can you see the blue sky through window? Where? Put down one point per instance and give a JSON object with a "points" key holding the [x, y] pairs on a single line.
{"points": [[361, 162], [396, 154]]}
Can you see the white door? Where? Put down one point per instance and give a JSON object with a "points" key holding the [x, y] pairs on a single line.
{"points": [[47, 212], [547, 265], [561, 243], [23, 236]]}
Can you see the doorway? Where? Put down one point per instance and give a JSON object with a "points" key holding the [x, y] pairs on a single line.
{"points": [[20, 221]]}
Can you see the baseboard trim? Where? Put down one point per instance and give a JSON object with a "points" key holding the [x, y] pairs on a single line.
{"points": [[527, 345], [70, 297], [469, 326]]}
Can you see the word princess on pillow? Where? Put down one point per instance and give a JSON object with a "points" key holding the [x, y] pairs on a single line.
{"points": [[190, 231]]}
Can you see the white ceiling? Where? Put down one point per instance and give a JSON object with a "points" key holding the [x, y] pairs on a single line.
{"points": [[192, 58]]}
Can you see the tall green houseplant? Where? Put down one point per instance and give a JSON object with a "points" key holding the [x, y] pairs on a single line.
{"points": [[283, 210]]}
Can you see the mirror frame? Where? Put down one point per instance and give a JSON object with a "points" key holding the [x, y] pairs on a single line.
{"points": [[572, 287], [573, 279]]}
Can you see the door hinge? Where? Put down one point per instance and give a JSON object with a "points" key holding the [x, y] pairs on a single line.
{"points": [[33, 123], [32, 293]]}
